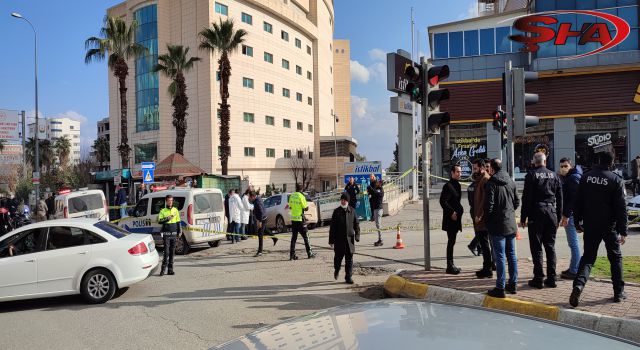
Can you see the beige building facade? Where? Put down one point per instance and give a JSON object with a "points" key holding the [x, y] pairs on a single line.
{"points": [[61, 127], [283, 84]]}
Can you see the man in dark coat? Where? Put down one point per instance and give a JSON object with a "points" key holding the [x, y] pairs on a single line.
{"points": [[353, 190], [51, 206], [570, 176], [343, 233], [452, 214], [635, 175], [260, 218]]}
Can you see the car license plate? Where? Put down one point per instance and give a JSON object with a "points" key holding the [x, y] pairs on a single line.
{"points": [[202, 221]]}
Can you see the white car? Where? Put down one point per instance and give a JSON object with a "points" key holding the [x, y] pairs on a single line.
{"points": [[633, 208], [73, 256]]}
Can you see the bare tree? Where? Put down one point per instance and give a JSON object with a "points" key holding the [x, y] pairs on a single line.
{"points": [[303, 168]]}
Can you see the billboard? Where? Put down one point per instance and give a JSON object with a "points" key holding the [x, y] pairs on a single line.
{"points": [[11, 154], [360, 171], [9, 126], [465, 151]]}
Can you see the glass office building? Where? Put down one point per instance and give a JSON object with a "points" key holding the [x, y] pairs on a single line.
{"points": [[147, 117]]}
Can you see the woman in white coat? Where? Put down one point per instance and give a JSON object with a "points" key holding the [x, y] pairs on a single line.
{"points": [[246, 207]]}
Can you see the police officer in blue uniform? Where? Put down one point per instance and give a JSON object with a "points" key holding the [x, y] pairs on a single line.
{"points": [[542, 206], [600, 206]]}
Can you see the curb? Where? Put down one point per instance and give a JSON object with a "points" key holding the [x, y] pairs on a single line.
{"points": [[629, 329]]}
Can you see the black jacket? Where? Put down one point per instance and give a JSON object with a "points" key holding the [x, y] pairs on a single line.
{"points": [[377, 195], [600, 202], [450, 203], [344, 230], [353, 192], [259, 213], [501, 202], [570, 185], [471, 190], [542, 195]]}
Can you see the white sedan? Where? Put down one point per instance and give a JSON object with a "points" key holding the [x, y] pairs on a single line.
{"points": [[73, 256]]}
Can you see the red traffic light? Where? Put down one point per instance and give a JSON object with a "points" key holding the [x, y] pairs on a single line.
{"points": [[437, 74]]}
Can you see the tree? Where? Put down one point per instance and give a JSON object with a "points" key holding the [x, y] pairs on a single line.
{"points": [[222, 37], [173, 65], [303, 168], [393, 168], [63, 149], [360, 158], [47, 154], [118, 41], [101, 147]]}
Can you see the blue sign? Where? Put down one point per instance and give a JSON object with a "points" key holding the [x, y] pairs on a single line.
{"points": [[361, 171], [147, 176], [148, 166]]}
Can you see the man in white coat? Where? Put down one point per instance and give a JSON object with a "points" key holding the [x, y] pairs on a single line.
{"points": [[247, 207], [235, 216]]}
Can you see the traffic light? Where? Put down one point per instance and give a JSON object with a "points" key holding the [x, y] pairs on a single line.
{"points": [[521, 98], [415, 89], [499, 118], [435, 95]]}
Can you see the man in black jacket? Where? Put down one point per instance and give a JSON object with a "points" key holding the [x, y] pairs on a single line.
{"points": [[353, 190], [343, 233], [260, 218], [570, 181], [377, 195], [501, 202], [542, 206], [452, 214], [601, 207]]}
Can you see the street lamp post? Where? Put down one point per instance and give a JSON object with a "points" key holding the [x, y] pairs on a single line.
{"points": [[335, 147], [37, 140]]}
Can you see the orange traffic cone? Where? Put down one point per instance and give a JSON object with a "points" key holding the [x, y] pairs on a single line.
{"points": [[399, 244], [518, 237]]}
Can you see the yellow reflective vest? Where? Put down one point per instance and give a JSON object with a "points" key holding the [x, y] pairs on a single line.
{"points": [[297, 204]]}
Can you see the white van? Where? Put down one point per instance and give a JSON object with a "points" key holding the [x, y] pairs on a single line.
{"points": [[82, 204], [201, 216]]}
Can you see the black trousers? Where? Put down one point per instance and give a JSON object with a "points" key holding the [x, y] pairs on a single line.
{"points": [[592, 241], [451, 241], [542, 234], [298, 227], [169, 251], [485, 246], [348, 262], [260, 233]]}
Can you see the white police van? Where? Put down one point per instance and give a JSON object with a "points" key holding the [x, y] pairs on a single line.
{"points": [[81, 204], [201, 216]]}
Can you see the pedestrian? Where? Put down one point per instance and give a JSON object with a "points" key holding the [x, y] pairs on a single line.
{"points": [[41, 210], [226, 214], [542, 207], [479, 219], [600, 210], [377, 196], [452, 210], [343, 233], [353, 190], [370, 188], [235, 216], [246, 207], [500, 204], [570, 177], [51, 206], [635, 175], [260, 216], [169, 218], [121, 200], [474, 245], [298, 205]]}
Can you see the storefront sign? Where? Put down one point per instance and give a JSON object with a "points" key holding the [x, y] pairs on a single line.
{"points": [[599, 140], [360, 171], [396, 66], [520, 140], [465, 151]]}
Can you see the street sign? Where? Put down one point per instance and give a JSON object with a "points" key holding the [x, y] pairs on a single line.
{"points": [[36, 175], [396, 67], [148, 165], [147, 175], [401, 104]]}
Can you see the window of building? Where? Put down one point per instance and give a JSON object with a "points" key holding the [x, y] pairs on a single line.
{"points": [[309, 49], [222, 9], [310, 128], [309, 76], [218, 113], [298, 97], [298, 70], [441, 45], [269, 120], [298, 43], [471, 45], [271, 153], [310, 155], [503, 43], [331, 69], [300, 126], [287, 153], [268, 27], [487, 41], [285, 64], [145, 152], [71, 127], [246, 18], [249, 152], [284, 35], [286, 123], [300, 154], [309, 101], [76, 136], [217, 75], [247, 50], [247, 82], [146, 80], [268, 57], [286, 93], [249, 117], [268, 88], [456, 44]]}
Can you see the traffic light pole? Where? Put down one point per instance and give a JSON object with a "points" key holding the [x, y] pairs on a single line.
{"points": [[425, 177]]}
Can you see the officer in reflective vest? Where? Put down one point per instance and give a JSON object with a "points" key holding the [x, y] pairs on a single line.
{"points": [[169, 217], [298, 205]]}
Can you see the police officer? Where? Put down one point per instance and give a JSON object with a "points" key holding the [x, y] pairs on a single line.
{"points": [[169, 217], [298, 205], [542, 206], [600, 205]]}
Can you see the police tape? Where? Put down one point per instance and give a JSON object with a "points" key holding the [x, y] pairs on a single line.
{"points": [[120, 206]]}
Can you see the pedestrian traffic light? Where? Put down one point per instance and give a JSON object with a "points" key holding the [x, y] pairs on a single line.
{"points": [[435, 95], [415, 77], [521, 98]]}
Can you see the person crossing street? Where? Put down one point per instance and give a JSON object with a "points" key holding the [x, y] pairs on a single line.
{"points": [[169, 218], [343, 233], [298, 205]]}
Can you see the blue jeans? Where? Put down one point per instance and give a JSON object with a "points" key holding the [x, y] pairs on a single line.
{"points": [[123, 211], [237, 230], [505, 246], [574, 245]]}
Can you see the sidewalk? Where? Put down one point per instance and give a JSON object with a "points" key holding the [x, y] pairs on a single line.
{"points": [[597, 296]]}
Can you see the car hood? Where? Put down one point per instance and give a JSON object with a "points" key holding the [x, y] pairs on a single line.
{"points": [[393, 324]]}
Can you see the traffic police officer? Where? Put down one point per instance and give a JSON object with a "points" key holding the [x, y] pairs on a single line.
{"points": [[169, 217], [542, 205], [298, 205], [600, 205]]}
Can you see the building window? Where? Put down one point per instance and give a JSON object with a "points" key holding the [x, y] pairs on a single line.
{"points": [[247, 50], [309, 49], [269, 120], [300, 126], [287, 153], [331, 69], [268, 57], [286, 93], [309, 76], [286, 123], [298, 43], [487, 41], [246, 18], [249, 152], [298, 70], [268, 27], [309, 101], [271, 153], [71, 127], [146, 80], [285, 64], [284, 35], [471, 43], [300, 154], [503, 43], [310, 128], [441, 45], [456, 44], [249, 117], [217, 75], [145, 152], [218, 113], [298, 97], [310, 155], [268, 88], [247, 82], [222, 9]]}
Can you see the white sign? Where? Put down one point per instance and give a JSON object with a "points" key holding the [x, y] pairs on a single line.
{"points": [[9, 125], [599, 140], [11, 154]]}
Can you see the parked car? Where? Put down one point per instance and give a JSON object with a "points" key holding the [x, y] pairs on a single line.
{"points": [[633, 208], [201, 216], [279, 215], [73, 256], [395, 324], [82, 204]]}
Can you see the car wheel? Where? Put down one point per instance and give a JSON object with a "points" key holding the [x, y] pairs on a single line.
{"points": [[214, 244], [280, 226], [98, 286], [182, 246]]}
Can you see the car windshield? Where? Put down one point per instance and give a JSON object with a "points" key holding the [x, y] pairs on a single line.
{"points": [[84, 203], [111, 229]]}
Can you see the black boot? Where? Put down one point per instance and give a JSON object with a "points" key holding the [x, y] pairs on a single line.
{"points": [[574, 299], [536, 283], [170, 272], [293, 257], [619, 297], [511, 288], [335, 274], [484, 273], [496, 293], [452, 269], [162, 271]]}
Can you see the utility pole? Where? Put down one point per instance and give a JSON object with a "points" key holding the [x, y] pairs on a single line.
{"points": [[508, 83]]}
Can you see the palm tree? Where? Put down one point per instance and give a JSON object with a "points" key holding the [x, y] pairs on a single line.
{"points": [[101, 146], [173, 65], [47, 155], [118, 41], [63, 149], [223, 38]]}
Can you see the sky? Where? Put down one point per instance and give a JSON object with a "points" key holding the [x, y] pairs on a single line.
{"points": [[68, 87]]}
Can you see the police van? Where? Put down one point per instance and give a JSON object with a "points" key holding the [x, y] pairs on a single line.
{"points": [[81, 204], [202, 216]]}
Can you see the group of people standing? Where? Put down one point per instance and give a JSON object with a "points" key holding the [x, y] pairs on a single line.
{"points": [[593, 203], [375, 194]]}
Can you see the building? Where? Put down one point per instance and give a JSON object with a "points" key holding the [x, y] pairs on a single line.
{"points": [[281, 88], [103, 132], [55, 128], [582, 101]]}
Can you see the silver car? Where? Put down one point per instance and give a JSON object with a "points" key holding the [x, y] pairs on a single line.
{"points": [[279, 214]]}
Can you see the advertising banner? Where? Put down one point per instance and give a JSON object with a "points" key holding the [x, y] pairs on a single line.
{"points": [[10, 126], [361, 170], [464, 151]]}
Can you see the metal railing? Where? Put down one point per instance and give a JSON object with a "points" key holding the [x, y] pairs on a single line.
{"points": [[394, 187]]}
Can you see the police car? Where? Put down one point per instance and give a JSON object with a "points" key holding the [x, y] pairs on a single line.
{"points": [[633, 208]]}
